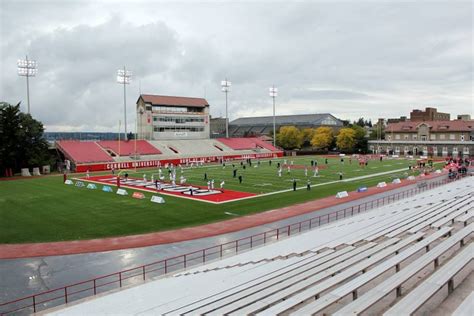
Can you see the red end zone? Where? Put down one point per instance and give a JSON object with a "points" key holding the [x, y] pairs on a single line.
{"points": [[200, 193]]}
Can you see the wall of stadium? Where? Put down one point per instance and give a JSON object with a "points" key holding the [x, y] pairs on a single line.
{"points": [[175, 161]]}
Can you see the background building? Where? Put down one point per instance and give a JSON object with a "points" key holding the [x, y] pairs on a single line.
{"points": [[263, 125], [217, 127], [429, 114], [168, 117], [433, 138]]}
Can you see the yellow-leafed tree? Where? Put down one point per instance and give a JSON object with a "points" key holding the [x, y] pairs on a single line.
{"points": [[346, 139], [289, 137], [322, 137]]}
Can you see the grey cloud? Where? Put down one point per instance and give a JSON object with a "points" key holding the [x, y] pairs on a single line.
{"points": [[354, 59]]}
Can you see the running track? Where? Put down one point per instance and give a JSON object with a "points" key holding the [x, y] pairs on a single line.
{"points": [[12, 251]]}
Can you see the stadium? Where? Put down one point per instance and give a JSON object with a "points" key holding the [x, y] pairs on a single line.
{"points": [[162, 205]]}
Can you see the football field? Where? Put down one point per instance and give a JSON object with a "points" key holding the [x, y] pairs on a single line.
{"points": [[44, 209]]}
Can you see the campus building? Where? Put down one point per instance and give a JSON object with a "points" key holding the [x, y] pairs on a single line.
{"points": [[263, 125], [429, 138], [168, 117], [217, 127], [429, 114]]}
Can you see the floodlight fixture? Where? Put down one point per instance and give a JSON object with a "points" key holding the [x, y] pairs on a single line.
{"points": [[27, 68], [225, 85], [124, 78], [273, 92]]}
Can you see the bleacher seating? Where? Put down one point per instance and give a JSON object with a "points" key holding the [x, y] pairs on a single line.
{"points": [[345, 267], [127, 148], [84, 152], [251, 143]]}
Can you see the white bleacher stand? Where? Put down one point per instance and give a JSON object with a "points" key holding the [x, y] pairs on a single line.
{"points": [[25, 172], [36, 171], [391, 260]]}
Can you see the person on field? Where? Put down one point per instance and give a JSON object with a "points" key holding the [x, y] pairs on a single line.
{"points": [[222, 185], [316, 172], [208, 185], [212, 184], [305, 171], [270, 162], [308, 185], [87, 174], [205, 175], [234, 173], [240, 179], [294, 184], [279, 172], [326, 161], [340, 175]]}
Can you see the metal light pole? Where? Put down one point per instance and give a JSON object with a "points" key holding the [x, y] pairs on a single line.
{"points": [[273, 92], [27, 68], [225, 84], [123, 77]]}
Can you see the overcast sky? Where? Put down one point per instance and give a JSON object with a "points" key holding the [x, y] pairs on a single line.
{"points": [[352, 58]]}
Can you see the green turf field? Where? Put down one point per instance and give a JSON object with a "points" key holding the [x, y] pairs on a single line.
{"points": [[44, 209]]}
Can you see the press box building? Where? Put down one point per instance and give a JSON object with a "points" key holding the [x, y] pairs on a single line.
{"points": [[169, 117]]}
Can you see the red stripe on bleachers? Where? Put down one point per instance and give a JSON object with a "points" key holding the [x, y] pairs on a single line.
{"points": [[127, 148], [84, 152], [246, 143]]}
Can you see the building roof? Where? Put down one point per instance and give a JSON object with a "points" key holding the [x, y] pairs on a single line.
{"points": [[173, 101], [435, 126], [302, 119]]}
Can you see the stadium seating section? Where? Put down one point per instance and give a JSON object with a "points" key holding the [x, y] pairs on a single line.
{"points": [[391, 261], [83, 152], [127, 148], [247, 143], [106, 151]]}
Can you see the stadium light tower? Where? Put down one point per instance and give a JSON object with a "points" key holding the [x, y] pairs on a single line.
{"points": [[273, 92], [27, 68], [123, 77], [225, 84]]}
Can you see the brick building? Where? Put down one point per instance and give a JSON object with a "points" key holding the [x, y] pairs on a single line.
{"points": [[429, 114], [432, 138]]}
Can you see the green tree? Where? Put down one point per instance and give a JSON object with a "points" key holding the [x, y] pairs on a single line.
{"points": [[21, 138], [361, 142], [322, 138], [346, 139], [289, 137]]}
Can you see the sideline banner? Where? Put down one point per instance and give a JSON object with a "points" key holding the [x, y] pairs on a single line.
{"points": [[122, 192], [157, 199], [177, 161], [342, 194]]}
